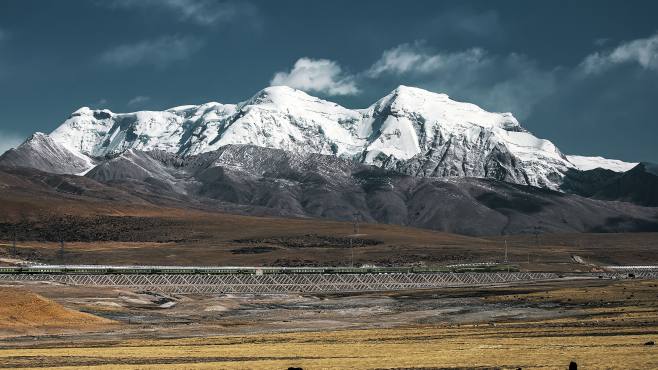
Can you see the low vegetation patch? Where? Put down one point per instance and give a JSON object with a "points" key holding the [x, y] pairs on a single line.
{"points": [[312, 241]]}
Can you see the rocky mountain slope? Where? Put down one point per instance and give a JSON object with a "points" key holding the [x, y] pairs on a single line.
{"points": [[40, 151], [410, 130], [273, 181], [253, 180]]}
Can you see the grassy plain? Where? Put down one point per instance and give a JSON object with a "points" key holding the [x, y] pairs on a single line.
{"points": [[599, 325], [524, 345]]}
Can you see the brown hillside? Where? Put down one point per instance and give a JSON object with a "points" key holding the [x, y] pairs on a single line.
{"points": [[24, 312]]}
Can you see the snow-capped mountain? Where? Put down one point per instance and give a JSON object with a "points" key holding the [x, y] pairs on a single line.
{"points": [[410, 130]]}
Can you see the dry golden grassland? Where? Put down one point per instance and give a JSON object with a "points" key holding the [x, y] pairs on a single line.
{"points": [[502, 346], [601, 325]]}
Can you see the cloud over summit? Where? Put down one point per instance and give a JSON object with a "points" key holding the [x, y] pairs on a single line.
{"points": [[317, 75]]}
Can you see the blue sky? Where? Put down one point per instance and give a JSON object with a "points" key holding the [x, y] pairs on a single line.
{"points": [[583, 74]]}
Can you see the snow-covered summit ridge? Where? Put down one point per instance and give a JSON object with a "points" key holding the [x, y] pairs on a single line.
{"points": [[412, 100], [411, 130]]}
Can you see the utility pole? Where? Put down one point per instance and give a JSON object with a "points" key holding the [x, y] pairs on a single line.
{"points": [[61, 251], [506, 259], [61, 224], [22, 224], [355, 230], [536, 232], [13, 244], [352, 251], [505, 251]]}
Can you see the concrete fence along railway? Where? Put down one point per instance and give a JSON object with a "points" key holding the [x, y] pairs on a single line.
{"points": [[275, 280]]}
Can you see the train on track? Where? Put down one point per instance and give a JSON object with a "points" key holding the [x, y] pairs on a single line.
{"points": [[147, 270]]}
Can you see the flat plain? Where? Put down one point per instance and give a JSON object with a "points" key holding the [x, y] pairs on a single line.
{"points": [[598, 324]]}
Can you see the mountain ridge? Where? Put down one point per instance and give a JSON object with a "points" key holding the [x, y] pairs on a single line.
{"points": [[410, 130]]}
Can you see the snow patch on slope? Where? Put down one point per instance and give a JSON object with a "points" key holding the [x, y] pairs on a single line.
{"points": [[589, 163]]}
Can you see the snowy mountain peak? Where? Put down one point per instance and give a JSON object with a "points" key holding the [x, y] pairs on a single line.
{"points": [[405, 100], [410, 130], [279, 93], [82, 111], [294, 101], [410, 93], [428, 134]]}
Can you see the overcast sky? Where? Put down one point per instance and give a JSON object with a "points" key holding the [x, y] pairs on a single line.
{"points": [[583, 74]]}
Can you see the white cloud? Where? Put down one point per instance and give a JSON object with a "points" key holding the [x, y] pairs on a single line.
{"points": [[412, 58], [9, 140], [99, 104], [202, 12], [139, 100], [159, 52], [318, 75], [499, 82], [511, 82], [641, 51]]}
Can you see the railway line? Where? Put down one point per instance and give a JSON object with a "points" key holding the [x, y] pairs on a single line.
{"points": [[277, 280], [231, 270]]}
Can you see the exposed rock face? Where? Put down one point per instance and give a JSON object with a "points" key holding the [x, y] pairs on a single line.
{"points": [[639, 186], [272, 181]]}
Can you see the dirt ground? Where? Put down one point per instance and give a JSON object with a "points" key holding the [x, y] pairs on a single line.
{"points": [[24, 312], [598, 324]]}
